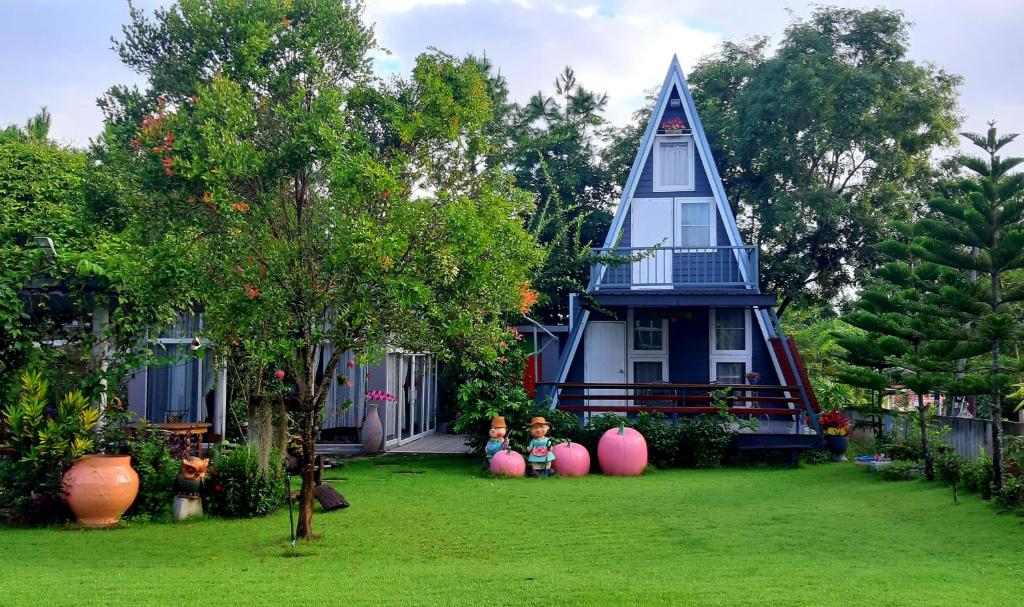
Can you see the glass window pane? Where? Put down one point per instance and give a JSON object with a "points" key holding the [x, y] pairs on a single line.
{"points": [[695, 237], [730, 373], [730, 329], [673, 163], [648, 334], [647, 372], [695, 214]]}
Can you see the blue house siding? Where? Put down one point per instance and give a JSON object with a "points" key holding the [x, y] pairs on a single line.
{"points": [[761, 360], [688, 346]]}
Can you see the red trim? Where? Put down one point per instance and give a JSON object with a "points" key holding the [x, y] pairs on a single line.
{"points": [[787, 372]]}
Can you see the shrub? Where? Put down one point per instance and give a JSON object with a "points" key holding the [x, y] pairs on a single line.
{"points": [[977, 476], [597, 425], [157, 468], [816, 456], [949, 465], [662, 439], [236, 487], [903, 470], [1011, 496], [703, 441]]}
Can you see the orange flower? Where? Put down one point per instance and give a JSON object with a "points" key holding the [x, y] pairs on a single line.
{"points": [[529, 297], [168, 163], [252, 291], [241, 207], [207, 197]]}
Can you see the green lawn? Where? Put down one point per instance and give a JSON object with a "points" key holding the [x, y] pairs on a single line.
{"points": [[436, 531]]}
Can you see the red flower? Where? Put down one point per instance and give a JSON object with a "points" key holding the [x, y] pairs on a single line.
{"points": [[252, 291], [217, 488]]}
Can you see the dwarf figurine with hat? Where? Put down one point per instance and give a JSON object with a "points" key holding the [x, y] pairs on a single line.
{"points": [[497, 440], [540, 455]]}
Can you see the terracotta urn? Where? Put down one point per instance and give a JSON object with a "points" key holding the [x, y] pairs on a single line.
{"points": [[622, 451], [571, 459], [372, 434], [99, 488]]}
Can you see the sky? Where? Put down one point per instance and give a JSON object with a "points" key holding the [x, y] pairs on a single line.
{"points": [[57, 52]]}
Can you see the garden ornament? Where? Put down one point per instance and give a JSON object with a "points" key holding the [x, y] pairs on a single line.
{"points": [[540, 453], [498, 440], [187, 503]]}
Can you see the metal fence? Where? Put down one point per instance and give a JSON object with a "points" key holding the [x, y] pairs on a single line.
{"points": [[970, 435]]}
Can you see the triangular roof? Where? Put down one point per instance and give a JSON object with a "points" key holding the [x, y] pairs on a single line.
{"points": [[675, 81]]}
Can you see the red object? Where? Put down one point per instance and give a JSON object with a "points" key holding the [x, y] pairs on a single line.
{"points": [[622, 451], [787, 373], [508, 463], [279, 374], [835, 419], [529, 377], [571, 459]]}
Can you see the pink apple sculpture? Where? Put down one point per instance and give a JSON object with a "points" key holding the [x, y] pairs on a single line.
{"points": [[571, 459], [508, 463], [622, 451]]}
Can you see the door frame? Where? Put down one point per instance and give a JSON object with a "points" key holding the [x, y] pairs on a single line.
{"points": [[588, 353]]}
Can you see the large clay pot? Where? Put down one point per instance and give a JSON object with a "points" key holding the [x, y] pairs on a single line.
{"points": [[372, 434], [99, 488], [622, 451], [571, 459], [508, 463]]}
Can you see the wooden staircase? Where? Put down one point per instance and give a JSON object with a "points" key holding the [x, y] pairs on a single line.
{"points": [[788, 376]]}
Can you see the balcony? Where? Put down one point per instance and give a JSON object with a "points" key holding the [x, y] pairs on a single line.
{"points": [[677, 269]]}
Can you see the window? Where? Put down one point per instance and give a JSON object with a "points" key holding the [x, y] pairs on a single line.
{"points": [[648, 371], [730, 329], [649, 334], [730, 372], [673, 163], [695, 224]]}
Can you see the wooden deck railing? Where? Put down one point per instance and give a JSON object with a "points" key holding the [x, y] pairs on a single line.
{"points": [[678, 398]]}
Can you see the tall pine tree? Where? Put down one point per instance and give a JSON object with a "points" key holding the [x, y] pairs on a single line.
{"points": [[978, 232]]}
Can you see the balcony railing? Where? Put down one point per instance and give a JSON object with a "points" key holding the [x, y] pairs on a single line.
{"points": [[677, 268]]}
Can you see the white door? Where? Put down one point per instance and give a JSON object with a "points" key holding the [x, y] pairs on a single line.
{"points": [[651, 223], [604, 358]]}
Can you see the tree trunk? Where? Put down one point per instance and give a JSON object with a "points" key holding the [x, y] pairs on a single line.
{"points": [[922, 411], [996, 416], [308, 491]]}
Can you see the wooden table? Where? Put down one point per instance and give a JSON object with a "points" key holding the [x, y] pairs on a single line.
{"points": [[186, 430]]}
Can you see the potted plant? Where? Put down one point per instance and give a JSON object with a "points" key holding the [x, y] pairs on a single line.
{"points": [[836, 428], [675, 126]]}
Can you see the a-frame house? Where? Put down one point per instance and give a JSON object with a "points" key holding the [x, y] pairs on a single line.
{"points": [[686, 316]]}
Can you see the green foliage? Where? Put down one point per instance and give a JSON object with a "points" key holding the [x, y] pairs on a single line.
{"points": [[815, 457], [902, 470], [157, 468], [46, 440], [977, 476], [1011, 495], [703, 440], [662, 439], [236, 486], [949, 465]]}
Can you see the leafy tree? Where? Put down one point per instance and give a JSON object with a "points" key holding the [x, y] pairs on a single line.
{"points": [[37, 128], [320, 208], [978, 234], [822, 143]]}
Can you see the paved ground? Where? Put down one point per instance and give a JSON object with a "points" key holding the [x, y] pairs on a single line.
{"points": [[435, 443]]}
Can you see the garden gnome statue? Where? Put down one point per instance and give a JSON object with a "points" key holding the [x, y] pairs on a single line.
{"points": [[540, 455], [497, 440], [187, 503]]}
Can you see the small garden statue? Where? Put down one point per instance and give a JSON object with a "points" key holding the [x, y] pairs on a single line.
{"points": [[187, 503], [498, 440], [540, 454]]}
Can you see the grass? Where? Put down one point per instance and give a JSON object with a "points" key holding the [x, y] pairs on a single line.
{"points": [[437, 531]]}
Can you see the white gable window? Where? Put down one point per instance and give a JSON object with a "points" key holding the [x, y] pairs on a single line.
{"points": [[695, 223], [673, 163]]}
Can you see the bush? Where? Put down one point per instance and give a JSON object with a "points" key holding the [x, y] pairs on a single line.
{"points": [[597, 425], [237, 488], [662, 439], [816, 456], [1011, 496], [903, 470], [977, 476], [703, 441], [157, 468], [948, 465]]}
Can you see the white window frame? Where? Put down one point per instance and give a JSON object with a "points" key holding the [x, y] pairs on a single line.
{"points": [[729, 356], [688, 170], [634, 355], [712, 224]]}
